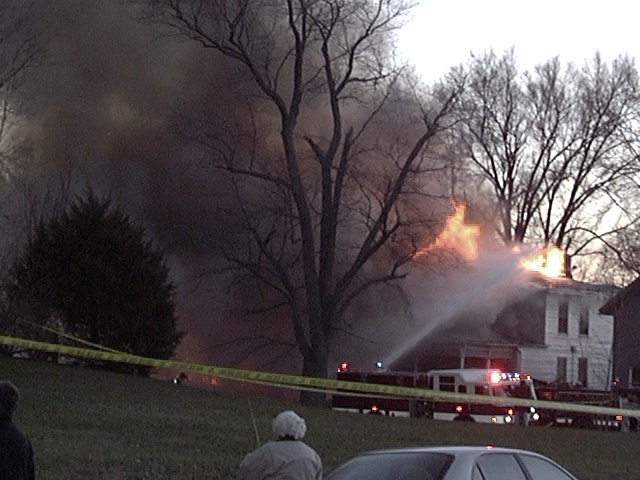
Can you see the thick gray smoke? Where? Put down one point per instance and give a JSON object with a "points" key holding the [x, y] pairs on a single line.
{"points": [[102, 111], [107, 109], [457, 303]]}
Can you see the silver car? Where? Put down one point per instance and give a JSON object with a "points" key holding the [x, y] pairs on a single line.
{"points": [[450, 463]]}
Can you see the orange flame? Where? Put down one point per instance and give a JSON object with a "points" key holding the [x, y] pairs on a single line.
{"points": [[457, 235], [462, 238], [549, 262]]}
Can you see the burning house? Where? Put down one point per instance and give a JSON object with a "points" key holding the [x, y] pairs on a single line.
{"points": [[555, 333], [549, 325]]}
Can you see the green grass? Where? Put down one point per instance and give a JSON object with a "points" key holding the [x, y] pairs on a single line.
{"points": [[87, 424]]}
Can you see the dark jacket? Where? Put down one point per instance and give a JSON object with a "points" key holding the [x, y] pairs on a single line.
{"points": [[16, 452]]}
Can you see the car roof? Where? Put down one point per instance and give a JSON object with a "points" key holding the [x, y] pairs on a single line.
{"points": [[465, 455], [450, 449]]}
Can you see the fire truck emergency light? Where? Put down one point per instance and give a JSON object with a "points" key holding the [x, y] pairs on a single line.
{"points": [[495, 376]]}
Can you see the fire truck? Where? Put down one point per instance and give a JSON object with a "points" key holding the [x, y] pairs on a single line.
{"points": [[387, 404], [484, 382], [559, 392], [492, 383]]}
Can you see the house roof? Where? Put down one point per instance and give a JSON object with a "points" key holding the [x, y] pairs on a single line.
{"points": [[564, 284], [616, 302]]}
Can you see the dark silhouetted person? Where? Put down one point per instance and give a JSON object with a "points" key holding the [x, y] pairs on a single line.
{"points": [[523, 415], [288, 457], [16, 452]]}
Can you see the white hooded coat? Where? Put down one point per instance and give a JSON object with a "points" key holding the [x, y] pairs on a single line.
{"points": [[282, 460], [288, 458]]}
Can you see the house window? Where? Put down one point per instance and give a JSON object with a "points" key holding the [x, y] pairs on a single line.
{"points": [[634, 376], [563, 316], [582, 371], [584, 322], [561, 369], [447, 383]]}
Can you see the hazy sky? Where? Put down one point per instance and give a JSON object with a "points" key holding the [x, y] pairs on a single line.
{"points": [[443, 33]]}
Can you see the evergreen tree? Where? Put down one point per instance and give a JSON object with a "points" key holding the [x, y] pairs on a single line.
{"points": [[91, 273]]}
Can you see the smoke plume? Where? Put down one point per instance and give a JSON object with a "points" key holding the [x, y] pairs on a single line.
{"points": [[108, 109]]}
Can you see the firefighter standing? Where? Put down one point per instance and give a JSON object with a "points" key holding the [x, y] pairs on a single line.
{"points": [[522, 413]]}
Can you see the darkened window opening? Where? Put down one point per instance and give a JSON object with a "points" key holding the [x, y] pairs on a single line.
{"points": [[563, 316], [582, 371], [561, 369], [584, 322]]}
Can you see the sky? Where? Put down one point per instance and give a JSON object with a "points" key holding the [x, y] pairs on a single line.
{"points": [[443, 33]]}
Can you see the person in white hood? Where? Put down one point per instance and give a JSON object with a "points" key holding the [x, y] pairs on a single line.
{"points": [[288, 457]]}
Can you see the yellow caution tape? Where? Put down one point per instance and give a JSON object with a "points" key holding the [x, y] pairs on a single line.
{"points": [[339, 387], [70, 337]]}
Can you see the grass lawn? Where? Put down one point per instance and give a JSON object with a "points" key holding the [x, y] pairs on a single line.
{"points": [[88, 424]]}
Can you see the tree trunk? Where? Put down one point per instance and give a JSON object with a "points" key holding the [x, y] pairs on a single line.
{"points": [[314, 365]]}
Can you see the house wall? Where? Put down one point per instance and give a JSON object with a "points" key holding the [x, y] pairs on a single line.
{"points": [[627, 342], [595, 346], [537, 362]]}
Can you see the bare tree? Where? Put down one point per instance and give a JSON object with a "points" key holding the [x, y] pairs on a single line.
{"points": [[619, 261], [19, 52], [555, 147], [328, 207]]}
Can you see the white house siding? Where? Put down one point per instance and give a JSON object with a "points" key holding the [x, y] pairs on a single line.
{"points": [[537, 362], [596, 346], [536, 348]]}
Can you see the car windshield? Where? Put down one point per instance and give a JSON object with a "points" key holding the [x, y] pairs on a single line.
{"points": [[396, 466]]}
